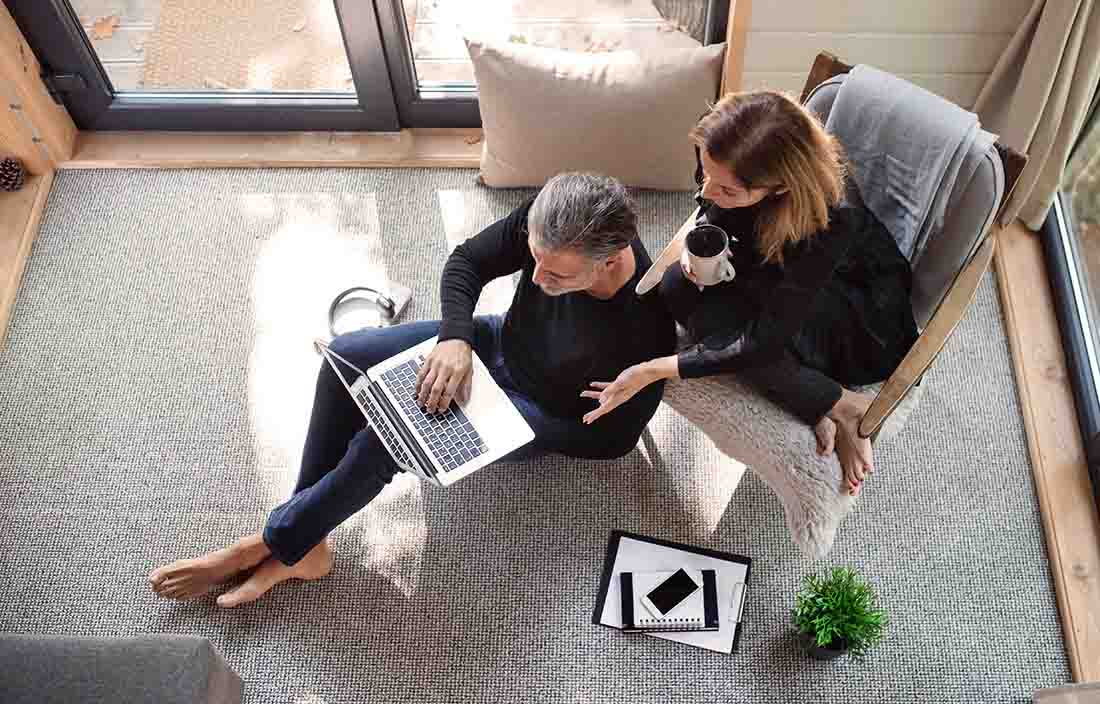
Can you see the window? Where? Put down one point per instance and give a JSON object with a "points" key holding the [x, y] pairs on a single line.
{"points": [[1071, 239]]}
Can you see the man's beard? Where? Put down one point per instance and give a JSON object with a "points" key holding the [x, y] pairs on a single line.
{"points": [[561, 290], [578, 287]]}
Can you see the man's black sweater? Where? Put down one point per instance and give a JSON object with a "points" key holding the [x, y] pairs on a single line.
{"points": [[555, 346]]}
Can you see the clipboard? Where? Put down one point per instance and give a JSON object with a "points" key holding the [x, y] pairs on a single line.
{"points": [[634, 552]]}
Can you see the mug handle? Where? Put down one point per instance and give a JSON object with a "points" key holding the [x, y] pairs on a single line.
{"points": [[728, 272]]}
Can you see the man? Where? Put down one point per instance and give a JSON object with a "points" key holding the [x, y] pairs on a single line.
{"points": [[574, 320]]}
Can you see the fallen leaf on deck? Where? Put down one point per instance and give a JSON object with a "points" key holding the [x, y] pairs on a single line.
{"points": [[601, 46], [215, 84], [301, 25], [475, 139], [104, 27], [517, 39]]}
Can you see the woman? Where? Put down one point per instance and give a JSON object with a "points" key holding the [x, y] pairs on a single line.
{"points": [[820, 300]]}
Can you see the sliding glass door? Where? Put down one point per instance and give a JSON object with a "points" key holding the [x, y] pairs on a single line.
{"points": [[213, 65], [432, 75], [316, 64]]}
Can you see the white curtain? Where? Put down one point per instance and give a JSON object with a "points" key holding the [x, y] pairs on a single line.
{"points": [[1038, 96]]}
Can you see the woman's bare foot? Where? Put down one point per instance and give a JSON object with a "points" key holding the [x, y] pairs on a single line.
{"points": [[186, 579], [856, 457], [825, 431], [316, 564], [854, 469]]}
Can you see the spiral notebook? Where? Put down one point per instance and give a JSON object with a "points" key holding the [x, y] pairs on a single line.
{"points": [[630, 552], [697, 610]]}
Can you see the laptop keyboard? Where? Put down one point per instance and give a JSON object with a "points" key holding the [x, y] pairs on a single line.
{"points": [[383, 427], [450, 436]]}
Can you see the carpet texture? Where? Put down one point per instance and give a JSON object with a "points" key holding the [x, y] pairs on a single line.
{"points": [[153, 396]]}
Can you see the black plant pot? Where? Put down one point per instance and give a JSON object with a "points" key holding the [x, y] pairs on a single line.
{"points": [[833, 651]]}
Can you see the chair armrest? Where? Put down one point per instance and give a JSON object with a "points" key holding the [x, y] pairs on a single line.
{"points": [[668, 257], [917, 361]]}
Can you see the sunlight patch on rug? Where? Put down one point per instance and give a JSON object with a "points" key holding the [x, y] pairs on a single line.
{"points": [[703, 478], [394, 533], [315, 252], [459, 224]]}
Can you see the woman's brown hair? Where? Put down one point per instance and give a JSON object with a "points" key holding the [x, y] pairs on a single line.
{"points": [[770, 141]]}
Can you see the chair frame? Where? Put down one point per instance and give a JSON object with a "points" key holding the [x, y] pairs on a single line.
{"points": [[952, 307]]}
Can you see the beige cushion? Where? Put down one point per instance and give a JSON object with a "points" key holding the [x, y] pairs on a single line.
{"points": [[621, 114]]}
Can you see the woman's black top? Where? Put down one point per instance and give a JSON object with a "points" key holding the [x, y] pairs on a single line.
{"points": [[839, 301]]}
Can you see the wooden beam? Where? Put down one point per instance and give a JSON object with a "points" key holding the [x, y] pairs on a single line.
{"points": [[20, 214], [1062, 485], [737, 35], [34, 128], [450, 148]]}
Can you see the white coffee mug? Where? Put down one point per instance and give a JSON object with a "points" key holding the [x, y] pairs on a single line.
{"points": [[706, 255]]}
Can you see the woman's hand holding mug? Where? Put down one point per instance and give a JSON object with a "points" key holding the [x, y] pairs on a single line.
{"points": [[705, 259]]}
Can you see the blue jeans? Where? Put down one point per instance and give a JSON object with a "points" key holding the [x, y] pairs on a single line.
{"points": [[345, 465]]}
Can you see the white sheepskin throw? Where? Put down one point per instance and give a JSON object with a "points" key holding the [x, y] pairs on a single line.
{"points": [[780, 448]]}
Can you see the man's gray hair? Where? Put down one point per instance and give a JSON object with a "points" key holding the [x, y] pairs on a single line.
{"points": [[587, 212]]}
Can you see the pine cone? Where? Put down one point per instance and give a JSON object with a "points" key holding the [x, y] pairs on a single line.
{"points": [[12, 174]]}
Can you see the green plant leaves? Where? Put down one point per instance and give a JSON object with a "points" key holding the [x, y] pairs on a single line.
{"points": [[838, 608]]}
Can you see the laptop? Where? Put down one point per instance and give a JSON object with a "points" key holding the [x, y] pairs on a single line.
{"points": [[440, 448]]}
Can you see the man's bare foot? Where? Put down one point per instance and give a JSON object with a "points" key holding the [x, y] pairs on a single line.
{"points": [[186, 579], [856, 457], [825, 431], [316, 564]]}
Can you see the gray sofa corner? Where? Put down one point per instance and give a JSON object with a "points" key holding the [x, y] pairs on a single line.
{"points": [[161, 669]]}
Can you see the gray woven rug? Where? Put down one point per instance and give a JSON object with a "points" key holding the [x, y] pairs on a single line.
{"points": [[154, 392]]}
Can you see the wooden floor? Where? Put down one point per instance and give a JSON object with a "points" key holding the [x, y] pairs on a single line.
{"points": [[441, 148], [20, 213], [1062, 484]]}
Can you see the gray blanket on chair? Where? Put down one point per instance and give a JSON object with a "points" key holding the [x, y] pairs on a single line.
{"points": [[904, 167]]}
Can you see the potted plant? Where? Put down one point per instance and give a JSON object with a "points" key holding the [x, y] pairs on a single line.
{"points": [[836, 613]]}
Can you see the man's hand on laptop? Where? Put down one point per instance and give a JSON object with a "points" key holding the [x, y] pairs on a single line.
{"points": [[447, 371]]}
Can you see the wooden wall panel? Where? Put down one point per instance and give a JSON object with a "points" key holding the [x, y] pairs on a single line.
{"points": [[907, 16], [946, 46], [34, 127]]}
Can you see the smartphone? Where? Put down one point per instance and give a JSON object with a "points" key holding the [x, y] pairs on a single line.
{"points": [[668, 594]]}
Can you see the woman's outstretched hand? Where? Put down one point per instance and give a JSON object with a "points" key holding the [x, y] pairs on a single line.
{"points": [[612, 394]]}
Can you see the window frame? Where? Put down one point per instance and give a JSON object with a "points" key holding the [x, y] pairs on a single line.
{"points": [[62, 47], [1078, 317]]}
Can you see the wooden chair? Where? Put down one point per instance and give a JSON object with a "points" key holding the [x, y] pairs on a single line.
{"points": [[957, 296], [781, 449]]}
